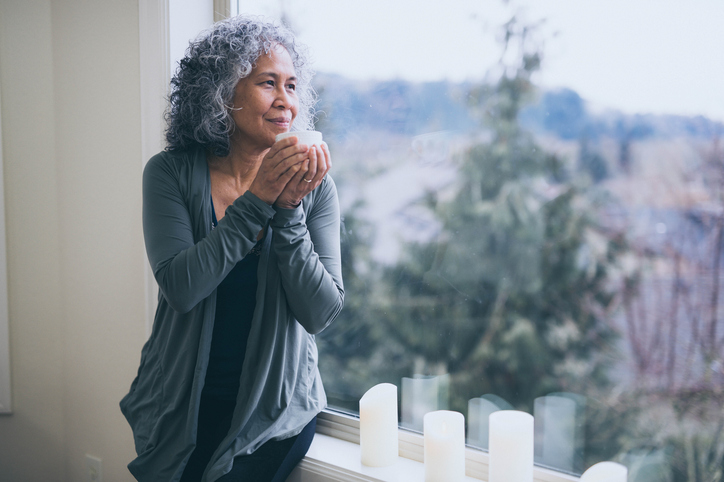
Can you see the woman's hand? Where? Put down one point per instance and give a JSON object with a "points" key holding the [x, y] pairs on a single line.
{"points": [[307, 178], [279, 167]]}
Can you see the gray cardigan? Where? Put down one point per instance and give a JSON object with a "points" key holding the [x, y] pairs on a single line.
{"points": [[299, 293]]}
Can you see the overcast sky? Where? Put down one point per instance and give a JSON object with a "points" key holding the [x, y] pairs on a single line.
{"points": [[639, 56]]}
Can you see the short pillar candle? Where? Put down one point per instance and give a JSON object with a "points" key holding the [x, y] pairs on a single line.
{"points": [[511, 447], [378, 425], [444, 435]]}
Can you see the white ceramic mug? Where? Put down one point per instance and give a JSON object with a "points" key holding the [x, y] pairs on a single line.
{"points": [[310, 138]]}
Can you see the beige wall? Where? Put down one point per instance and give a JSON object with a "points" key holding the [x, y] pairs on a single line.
{"points": [[69, 79]]}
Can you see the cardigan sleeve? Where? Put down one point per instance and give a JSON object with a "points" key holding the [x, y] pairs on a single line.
{"points": [[187, 271], [309, 258]]}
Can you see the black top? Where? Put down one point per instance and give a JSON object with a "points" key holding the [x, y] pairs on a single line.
{"points": [[235, 303]]}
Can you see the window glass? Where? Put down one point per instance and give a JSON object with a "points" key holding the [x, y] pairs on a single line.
{"points": [[532, 219]]}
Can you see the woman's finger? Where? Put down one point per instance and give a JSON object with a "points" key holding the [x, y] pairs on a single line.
{"points": [[322, 165], [287, 176], [275, 159], [299, 178], [327, 157], [280, 146], [313, 163], [294, 160]]}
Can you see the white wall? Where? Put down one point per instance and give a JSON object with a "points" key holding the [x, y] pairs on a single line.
{"points": [[69, 71]]}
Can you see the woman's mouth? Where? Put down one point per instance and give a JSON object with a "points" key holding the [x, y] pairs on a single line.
{"points": [[282, 122]]}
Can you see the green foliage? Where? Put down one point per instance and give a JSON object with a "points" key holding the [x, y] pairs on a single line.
{"points": [[354, 354], [506, 298], [592, 163], [513, 294], [660, 437]]}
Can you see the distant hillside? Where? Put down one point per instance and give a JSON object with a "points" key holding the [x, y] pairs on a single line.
{"points": [[408, 108], [394, 142], [563, 112], [395, 106]]}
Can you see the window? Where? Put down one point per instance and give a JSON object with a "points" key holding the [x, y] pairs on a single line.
{"points": [[521, 235]]}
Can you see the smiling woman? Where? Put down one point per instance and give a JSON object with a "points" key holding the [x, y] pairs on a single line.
{"points": [[242, 234]]}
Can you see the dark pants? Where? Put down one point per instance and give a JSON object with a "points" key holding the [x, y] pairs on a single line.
{"points": [[272, 462]]}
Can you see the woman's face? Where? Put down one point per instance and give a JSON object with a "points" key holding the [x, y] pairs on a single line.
{"points": [[265, 102]]}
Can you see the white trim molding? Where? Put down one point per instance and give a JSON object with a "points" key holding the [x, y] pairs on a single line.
{"points": [[222, 9], [155, 74], [5, 386]]}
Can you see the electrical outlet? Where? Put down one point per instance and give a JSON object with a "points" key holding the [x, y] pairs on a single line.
{"points": [[93, 468]]}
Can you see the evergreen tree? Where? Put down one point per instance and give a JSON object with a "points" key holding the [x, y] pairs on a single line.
{"points": [[507, 299]]}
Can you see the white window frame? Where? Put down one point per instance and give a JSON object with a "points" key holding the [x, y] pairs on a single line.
{"points": [[5, 386], [337, 430], [154, 73]]}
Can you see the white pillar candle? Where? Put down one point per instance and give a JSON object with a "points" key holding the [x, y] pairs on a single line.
{"points": [[511, 447], [444, 434], [378, 425], [605, 472]]}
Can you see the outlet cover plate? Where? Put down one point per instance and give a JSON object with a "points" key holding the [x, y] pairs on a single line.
{"points": [[93, 468]]}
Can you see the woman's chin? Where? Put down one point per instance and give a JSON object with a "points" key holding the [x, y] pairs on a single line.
{"points": [[273, 135]]}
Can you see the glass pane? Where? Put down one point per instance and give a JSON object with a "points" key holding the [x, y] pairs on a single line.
{"points": [[532, 219]]}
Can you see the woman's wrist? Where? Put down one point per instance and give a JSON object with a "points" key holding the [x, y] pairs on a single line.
{"points": [[288, 205], [254, 205], [268, 202]]}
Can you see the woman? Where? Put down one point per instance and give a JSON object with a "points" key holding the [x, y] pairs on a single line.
{"points": [[242, 234]]}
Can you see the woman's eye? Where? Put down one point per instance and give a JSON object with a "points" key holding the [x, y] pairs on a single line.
{"points": [[292, 87]]}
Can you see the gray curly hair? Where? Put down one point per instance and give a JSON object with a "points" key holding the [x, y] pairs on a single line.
{"points": [[202, 90]]}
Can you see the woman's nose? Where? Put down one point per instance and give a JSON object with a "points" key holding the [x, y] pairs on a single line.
{"points": [[282, 99]]}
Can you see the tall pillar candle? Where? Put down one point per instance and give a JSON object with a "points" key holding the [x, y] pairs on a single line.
{"points": [[605, 472], [444, 434], [511, 447], [378, 425]]}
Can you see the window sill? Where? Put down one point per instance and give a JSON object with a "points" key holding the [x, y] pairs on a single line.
{"points": [[335, 456], [331, 459]]}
